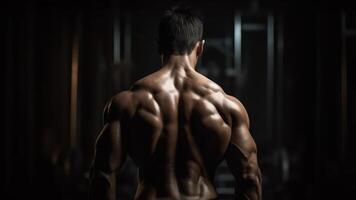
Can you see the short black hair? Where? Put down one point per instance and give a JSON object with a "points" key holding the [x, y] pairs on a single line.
{"points": [[179, 30]]}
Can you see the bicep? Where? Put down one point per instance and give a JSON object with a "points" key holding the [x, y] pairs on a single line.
{"points": [[109, 147], [241, 155], [109, 151]]}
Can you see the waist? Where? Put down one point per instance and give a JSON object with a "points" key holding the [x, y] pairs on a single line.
{"points": [[176, 189]]}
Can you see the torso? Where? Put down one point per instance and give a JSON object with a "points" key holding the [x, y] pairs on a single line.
{"points": [[177, 134]]}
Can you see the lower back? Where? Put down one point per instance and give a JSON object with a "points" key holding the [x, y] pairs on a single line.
{"points": [[178, 189]]}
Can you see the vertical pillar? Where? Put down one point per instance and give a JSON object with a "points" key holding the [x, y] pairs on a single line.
{"points": [[270, 73]]}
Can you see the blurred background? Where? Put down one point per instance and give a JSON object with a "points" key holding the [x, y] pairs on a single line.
{"points": [[291, 63]]}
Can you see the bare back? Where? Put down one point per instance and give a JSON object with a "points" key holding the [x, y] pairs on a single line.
{"points": [[178, 126]]}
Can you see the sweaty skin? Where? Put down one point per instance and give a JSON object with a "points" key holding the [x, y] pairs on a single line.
{"points": [[177, 126]]}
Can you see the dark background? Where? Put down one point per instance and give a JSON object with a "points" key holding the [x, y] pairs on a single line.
{"points": [[291, 63]]}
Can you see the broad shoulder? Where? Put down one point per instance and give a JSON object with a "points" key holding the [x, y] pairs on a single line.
{"points": [[204, 86], [226, 105], [120, 105], [237, 110], [126, 103], [151, 83]]}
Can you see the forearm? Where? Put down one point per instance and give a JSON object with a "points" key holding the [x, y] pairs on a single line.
{"points": [[249, 187], [102, 186]]}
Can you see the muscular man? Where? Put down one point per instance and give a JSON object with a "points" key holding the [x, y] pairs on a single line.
{"points": [[177, 126]]}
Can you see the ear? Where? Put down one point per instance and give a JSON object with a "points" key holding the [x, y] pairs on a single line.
{"points": [[200, 47]]}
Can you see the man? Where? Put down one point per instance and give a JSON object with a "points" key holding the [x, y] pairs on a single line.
{"points": [[177, 126]]}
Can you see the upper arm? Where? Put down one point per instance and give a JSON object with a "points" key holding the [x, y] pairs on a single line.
{"points": [[110, 151], [241, 155], [242, 150]]}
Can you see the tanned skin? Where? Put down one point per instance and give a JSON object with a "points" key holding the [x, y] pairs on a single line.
{"points": [[177, 126]]}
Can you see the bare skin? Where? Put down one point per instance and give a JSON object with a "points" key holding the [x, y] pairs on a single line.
{"points": [[177, 126]]}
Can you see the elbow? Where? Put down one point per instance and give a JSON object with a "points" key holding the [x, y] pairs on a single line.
{"points": [[251, 177]]}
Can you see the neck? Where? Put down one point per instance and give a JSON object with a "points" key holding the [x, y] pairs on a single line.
{"points": [[180, 61], [179, 67]]}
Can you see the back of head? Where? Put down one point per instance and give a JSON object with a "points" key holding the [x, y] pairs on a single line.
{"points": [[179, 30]]}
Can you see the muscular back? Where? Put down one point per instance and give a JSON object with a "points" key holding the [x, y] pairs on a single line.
{"points": [[177, 126]]}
